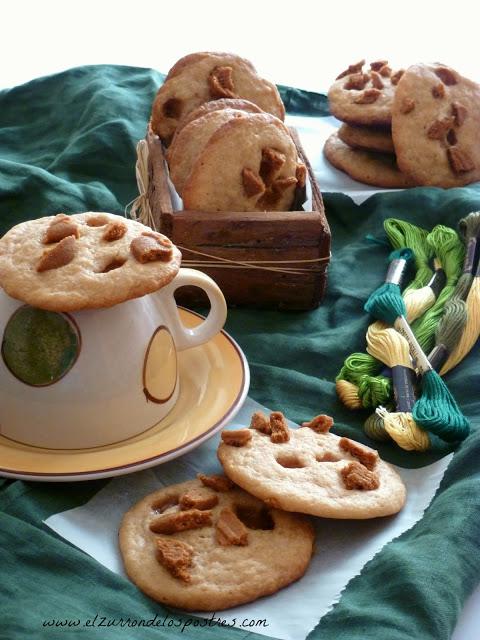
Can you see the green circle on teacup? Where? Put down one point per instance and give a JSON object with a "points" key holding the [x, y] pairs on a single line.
{"points": [[39, 347]]}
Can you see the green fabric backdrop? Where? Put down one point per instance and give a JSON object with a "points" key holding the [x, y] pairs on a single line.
{"points": [[67, 143]]}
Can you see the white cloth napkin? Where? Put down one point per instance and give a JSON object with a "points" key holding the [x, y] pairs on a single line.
{"points": [[342, 546]]}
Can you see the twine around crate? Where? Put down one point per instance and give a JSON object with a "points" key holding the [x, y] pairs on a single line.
{"points": [[140, 210]]}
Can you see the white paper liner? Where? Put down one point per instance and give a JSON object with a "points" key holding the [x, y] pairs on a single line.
{"points": [[342, 546]]}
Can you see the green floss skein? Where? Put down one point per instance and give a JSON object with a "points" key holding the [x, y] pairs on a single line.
{"points": [[374, 428], [386, 303], [374, 390], [448, 332], [436, 410], [357, 365], [469, 229], [403, 234], [450, 252]]}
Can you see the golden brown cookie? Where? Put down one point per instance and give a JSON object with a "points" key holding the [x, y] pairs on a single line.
{"points": [[214, 105], [189, 142], [377, 169], [210, 78], [249, 164], [192, 547], [313, 471], [84, 261], [363, 95], [436, 126], [369, 138]]}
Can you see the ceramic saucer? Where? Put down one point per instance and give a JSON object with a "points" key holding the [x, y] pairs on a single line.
{"points": [[214, 381]]}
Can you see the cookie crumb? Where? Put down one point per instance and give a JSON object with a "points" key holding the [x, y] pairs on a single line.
{"points": [[230, 530], [460, 161], [252, 183], [114, 231], [356, 476], [61, 255], [368, 96], [61, 227], [216, 482], [176, 556], [181, 521], [320, 424], [200, 498], [280, 431], [459, 113], [352, 68], [220, 82], [365, 456], [150, 247], [261, 423], [238, 438]]}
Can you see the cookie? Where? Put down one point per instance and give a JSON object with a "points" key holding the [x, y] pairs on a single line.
{"points": [[214, 105], [368, 138], [249, 164], [309, 470], [364, 96], [436, 126], [84, 261], [210, 78], [205, 545], [377, 169], [189, 142], [191, 58]]}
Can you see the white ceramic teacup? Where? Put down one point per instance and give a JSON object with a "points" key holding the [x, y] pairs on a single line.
{"points": [[93, 378]]}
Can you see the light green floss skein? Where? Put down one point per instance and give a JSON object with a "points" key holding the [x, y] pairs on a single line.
{"points": [[450, 251], [403, 234]]}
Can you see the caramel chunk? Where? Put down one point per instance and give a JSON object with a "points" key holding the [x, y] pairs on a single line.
{"points": [[97, 221], [181, 521], [356, 81], [301, 174], [368, 96], [220, 82], [353, 68], [273, 194], [438, 91], [230, 530], [320, 424], [385, 71], [446, 75], [252, 183], [376, 80], [280, 431], [150, 247], [215, 482], [61, 227], [459, 113], [261, 423], [176, 556], [438, 129], [460, 161], [367, 458], [356, 476], [238, 438], [378, 64], [172, 108], [200, 498], [452, 137], [62, 254], [395, 77], [114, 231], [167, 502], [408, 105], [272, 162]]}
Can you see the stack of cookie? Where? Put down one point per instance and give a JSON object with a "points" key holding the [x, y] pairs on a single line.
{"points": [[228, 147], [217, 542], [405, 128]]}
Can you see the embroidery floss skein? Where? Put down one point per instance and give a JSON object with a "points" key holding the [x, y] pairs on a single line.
{"points": [[388, 345], [469, 229], [436, 410]]}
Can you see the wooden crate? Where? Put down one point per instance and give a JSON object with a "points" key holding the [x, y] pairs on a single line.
{"points": [[286, 253]]}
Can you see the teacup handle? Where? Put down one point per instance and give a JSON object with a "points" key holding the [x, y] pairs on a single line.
{"points": [[185, 338]]}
